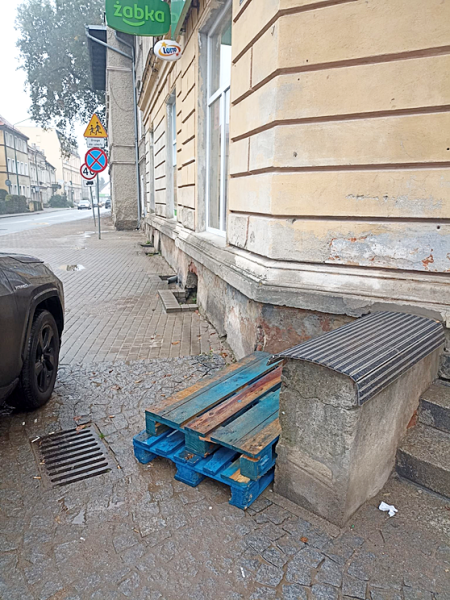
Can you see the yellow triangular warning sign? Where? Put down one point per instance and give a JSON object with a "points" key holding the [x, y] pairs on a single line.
{"points": [[95, 128]]}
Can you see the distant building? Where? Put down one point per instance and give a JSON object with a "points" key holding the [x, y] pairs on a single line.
{"points": [[14, 165], [42, 176], [67, 168]]}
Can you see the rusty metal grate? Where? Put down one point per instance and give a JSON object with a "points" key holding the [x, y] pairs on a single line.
{"points": [[72, 455]]}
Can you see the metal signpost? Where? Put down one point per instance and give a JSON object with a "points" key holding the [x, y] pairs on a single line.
{"points": [[96, 160], [92, 203], [89, 175], [98, 210]]}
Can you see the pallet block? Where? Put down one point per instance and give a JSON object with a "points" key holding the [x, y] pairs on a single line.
{"points": [[223, 465]]}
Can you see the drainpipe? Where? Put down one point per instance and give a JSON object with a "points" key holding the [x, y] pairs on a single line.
{"points": [[136, 141]]}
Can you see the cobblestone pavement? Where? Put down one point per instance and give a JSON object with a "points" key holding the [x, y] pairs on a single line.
{"points": [[113, 311], [137, 533]]}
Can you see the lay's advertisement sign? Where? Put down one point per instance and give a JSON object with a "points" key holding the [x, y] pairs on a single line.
{"points": [[138, 17]]}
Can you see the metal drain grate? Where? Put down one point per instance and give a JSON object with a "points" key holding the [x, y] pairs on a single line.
{"points": [[71, 456]]}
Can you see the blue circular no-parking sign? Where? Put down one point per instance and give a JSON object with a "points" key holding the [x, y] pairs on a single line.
{"points": [[96, 160]]}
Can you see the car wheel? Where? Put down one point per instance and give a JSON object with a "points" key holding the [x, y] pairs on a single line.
{"points": [[40, 367]]}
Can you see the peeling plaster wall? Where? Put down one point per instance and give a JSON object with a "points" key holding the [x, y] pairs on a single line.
{"points": [[408, 246]]}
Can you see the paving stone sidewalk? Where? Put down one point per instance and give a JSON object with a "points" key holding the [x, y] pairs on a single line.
{"points": [[113, 311], [137, 533]]}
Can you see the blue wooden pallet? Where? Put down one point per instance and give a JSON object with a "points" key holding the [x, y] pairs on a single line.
{"points": [[237, 409], [223, 465]]}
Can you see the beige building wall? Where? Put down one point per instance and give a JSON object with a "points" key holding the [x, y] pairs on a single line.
{"points": [[15, 159], [341, 113], [67, 168], [173, 81], [3, 166], [339, 190]]}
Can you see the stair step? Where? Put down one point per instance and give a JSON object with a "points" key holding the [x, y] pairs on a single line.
{"points": [[424, 457], [435, 406]]}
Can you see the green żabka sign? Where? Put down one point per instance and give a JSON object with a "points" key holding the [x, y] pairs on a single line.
{"points": [[138, 17]]}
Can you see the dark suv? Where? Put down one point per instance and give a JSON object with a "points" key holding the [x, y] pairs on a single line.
{"points": [[31, 324]]}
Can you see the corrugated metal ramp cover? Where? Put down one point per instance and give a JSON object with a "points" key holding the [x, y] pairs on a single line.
{"points": [[374, 351]]}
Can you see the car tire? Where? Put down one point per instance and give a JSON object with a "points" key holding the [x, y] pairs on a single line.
{"points": [[40, 366]]}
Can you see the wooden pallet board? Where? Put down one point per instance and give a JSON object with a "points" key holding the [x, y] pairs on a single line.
{"points": [[210, 391], [199, 431], [223, 465], [237, 409], [177, 414]]}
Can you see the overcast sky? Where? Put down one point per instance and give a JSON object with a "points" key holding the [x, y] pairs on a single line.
{"points": [[14, 99]]}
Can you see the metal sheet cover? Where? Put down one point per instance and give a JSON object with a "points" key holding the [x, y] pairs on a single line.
{"points": [[374, 351]]}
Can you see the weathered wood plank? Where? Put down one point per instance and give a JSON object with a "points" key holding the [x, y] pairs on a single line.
{"points": [[233, 472], [249, 424], [256, 445], [231, 407], [199, 403], [202, 385]]}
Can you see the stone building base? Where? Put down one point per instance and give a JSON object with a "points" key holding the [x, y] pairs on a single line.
{"points": [[247, 325], [288, 313]]}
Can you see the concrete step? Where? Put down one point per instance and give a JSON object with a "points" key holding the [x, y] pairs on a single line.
{"points": [[434, 407], [424, 457]]}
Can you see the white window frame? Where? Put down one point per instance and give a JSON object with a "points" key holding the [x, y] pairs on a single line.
{"points": [[174, 132], [219, 93], [171, 138], [173, 114]]}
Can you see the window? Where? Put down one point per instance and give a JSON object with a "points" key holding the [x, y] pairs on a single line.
{"points": [[219, 75], [172, 155], [152, 170]]}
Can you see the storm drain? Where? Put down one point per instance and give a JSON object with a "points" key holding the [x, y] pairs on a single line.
{"points": [[72, 455]]}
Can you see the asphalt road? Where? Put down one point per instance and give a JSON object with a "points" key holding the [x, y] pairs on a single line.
{"points": [[39, 219]]}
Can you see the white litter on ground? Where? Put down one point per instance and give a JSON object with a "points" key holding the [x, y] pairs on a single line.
{"points": [[389, 508]]}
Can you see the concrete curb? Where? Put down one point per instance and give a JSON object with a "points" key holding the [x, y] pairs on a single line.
{"points": [[39, 212]]}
